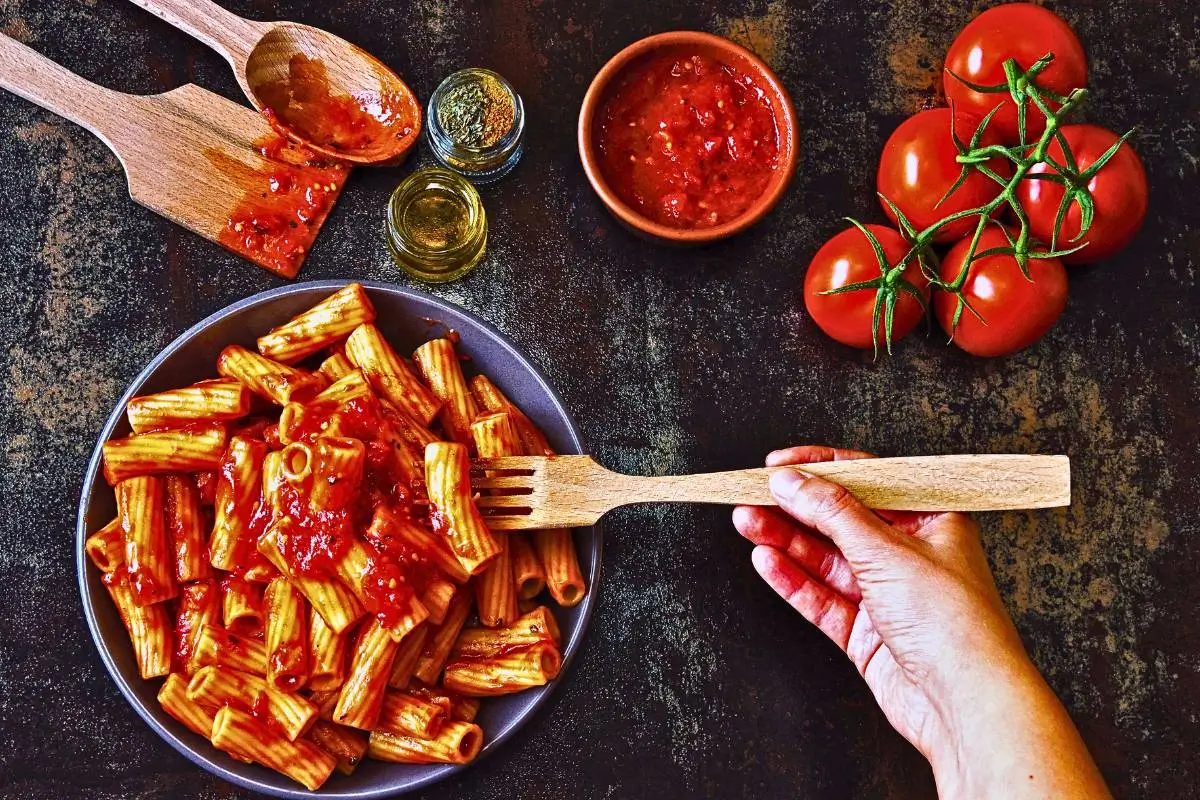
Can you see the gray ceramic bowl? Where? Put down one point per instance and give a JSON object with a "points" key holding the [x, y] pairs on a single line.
{"points": [[192, 357]]}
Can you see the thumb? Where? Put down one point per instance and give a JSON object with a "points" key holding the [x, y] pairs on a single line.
{"points": [[832, 510]]}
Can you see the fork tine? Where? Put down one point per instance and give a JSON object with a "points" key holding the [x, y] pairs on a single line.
{"points": [[504, 482], [505, 501], [523, 464]]}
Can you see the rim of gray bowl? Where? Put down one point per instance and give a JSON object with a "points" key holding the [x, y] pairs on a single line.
{"points": [[430, 774]]}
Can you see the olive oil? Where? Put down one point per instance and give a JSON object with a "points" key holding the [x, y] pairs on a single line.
{"points": [[436, 225]]}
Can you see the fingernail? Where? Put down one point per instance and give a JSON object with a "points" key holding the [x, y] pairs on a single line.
{"points": [[785, 483]]}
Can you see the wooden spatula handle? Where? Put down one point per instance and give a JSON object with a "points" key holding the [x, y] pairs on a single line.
{"points": [[29, 74], [226, 32], [920, 483]]}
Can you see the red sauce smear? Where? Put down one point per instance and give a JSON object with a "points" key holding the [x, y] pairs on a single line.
{"points": [[688, 141], [304, 103], [283, 206]]}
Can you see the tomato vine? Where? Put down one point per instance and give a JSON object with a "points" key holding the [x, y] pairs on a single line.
{"points": [[1022, 86]]}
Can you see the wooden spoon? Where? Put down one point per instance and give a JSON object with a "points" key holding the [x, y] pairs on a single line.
{"points": [[316, 88], [190, 155], [574, 491]]}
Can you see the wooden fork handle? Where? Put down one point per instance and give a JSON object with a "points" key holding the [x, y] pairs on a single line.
{"points": [[227, 33], [919, 483]]}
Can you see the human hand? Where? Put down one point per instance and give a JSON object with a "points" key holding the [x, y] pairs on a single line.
{"points": [[910, 599]]}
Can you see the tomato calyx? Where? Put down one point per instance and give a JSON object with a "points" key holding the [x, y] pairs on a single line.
{"points": [[1076, 184], [1021, 85], [888, 287]]}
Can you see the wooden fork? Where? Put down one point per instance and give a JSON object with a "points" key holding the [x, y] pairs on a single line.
{"points": [[533, 492]]}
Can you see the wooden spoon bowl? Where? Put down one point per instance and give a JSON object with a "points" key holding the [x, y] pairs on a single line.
{"points": [[344, 103]]}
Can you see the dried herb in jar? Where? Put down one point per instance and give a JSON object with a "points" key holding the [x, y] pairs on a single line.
{"points": [[477, 113]]}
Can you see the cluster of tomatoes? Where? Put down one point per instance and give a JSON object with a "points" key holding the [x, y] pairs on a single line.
{"points": [[1007, 309]]}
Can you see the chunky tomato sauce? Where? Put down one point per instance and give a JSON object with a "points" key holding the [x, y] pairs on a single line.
{"points": [[395, 572], [305, 104], [280, 213], [688, 141]]}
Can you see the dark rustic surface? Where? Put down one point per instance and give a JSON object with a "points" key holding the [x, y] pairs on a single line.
{"points": [[694, 680]]}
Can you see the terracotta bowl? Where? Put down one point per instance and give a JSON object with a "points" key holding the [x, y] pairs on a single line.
{"points": [[721, 50]]}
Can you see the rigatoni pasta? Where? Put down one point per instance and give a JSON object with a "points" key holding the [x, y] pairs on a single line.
{"points": [[316, 584]]}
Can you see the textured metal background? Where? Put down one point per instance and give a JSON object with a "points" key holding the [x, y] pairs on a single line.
{"points": [[694, 680]]}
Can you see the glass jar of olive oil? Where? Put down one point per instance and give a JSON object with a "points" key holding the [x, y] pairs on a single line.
{"points": [[436, 225]]}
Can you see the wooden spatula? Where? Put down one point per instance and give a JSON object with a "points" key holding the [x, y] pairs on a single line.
{"points": [[533, 492], [190, 155]]}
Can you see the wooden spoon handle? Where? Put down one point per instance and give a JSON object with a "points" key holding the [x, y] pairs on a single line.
{"points": [[29, 74], [920, 483], [227, 33]]}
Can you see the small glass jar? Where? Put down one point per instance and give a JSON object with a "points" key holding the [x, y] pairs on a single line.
{"points": [[436, 225], [479, 165]]}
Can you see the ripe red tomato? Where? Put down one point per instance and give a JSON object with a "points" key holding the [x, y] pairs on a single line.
{"points": [[848, 258], [917, 168], [1118, 189], [1016, 312], [1022, 31]]}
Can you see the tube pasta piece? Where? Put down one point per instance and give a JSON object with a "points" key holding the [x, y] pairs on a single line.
{"points": [[336, 604], [436, 599], [337, 473], [287, 636], [212, 401], [441, 639], [361, 695], [496, 589], [438, 364], [327, 668], [357, 569], [148, 626], [172, 696], [555, 549], [216, 647], [347, 745], [336, 367], [213, 687], [241, 735], [260, 572], [349, 386], [389, 375], [106, 547], [388, 526], [149, 558], [199, 605], [464, 709], [241, 605], [192, 449], [457, 743], [269, 379], [447, 476], [325, 701], [489, 398], [407, 655], [239, 491], [415, 433], [405, 714], [527, 571], [186, 525], [506, 673], [535, 627], [318, 327], [272, 479]]}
